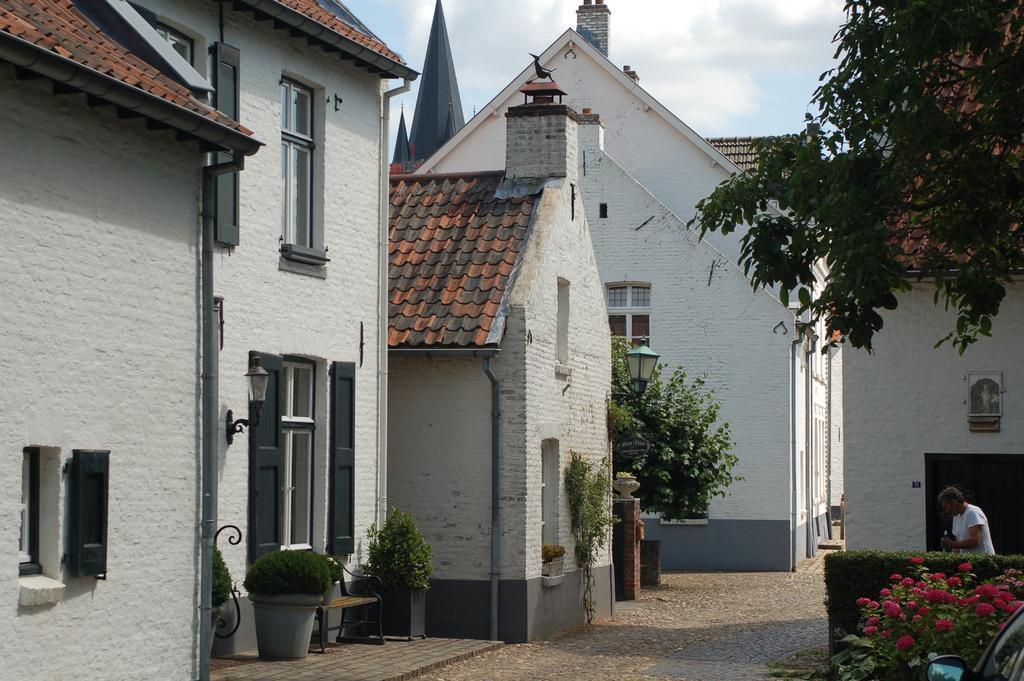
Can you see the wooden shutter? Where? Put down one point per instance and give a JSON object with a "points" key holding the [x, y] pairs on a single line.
{"points": [[89, 484], [266, 467], [343, 461], [226, 62]]}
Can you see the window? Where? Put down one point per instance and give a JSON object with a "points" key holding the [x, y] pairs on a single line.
{"points": [[629, 312], [562, 339], [28, 546], [297, 164], [603, 210], [297, 430], [180, 42], [551, 475]]}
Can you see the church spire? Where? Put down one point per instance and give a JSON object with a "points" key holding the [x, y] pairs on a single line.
{"points": [[402, 143], [438, 98]]}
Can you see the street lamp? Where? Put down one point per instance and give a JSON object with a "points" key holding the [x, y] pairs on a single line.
{"points": [[258, 378], [642, 363]]}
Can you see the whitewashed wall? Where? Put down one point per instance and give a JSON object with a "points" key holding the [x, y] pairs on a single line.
{"points": [[285, 313], [908, 399], [99, 350]]}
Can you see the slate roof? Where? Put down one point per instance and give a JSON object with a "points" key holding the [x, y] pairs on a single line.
{"points": [[58, 28], [454, 249], [736, 149], [438, 104]]}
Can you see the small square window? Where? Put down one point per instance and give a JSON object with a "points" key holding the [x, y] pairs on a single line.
{"points": [[617, 296], [180, 42]]}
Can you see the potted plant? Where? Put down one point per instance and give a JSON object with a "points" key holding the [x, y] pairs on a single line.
{"points": [[625, 484], [285, 588], [221, 588], [551, 560], [399, 558], [337, 574]]}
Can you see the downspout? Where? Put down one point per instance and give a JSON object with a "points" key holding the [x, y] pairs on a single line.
{"points": [[382, 311], [808, 445], [495, 494], [209, 417], [828, 444], [793, 524]]}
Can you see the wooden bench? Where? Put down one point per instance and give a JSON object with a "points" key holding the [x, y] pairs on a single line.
{"points": [[370, 600]]}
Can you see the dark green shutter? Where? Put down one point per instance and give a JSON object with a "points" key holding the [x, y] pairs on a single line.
{"points": [[266, 467], [226, 62], [343, 459], [87, 535]]}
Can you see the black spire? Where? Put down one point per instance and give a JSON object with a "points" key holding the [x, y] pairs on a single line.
{"points": [[402, 143], [439, 94]]}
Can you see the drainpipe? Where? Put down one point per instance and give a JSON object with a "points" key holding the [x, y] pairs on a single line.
{"points": [[210, 421], [808, 444], [793, 358], [828, 442], [382, 311], [495, 494]]}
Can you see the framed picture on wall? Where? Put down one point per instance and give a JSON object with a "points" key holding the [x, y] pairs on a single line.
{"points": [[985, 393]]}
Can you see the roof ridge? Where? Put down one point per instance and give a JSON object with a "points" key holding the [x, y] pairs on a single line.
{"points": [[447, 176]]}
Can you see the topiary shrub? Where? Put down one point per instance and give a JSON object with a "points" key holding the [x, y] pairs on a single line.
{"points": [[221, 579], [288, 572], [398, 555], [850, 575]]}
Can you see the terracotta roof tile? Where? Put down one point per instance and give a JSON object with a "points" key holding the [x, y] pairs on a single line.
{"points": [[453, 250], [57, 26], [313, 10], [736, 149]]}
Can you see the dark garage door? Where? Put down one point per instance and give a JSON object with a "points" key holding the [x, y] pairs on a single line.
{"points": [[997, 481]]}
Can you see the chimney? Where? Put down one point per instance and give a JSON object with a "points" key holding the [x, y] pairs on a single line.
{"points": [[630, 72], [592, 20], [541, 137], [591, 131]]}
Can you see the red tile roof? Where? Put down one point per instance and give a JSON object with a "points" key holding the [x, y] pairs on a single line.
{"points": [[454, 248], [313, 10], [57, 26], [736, 149]]}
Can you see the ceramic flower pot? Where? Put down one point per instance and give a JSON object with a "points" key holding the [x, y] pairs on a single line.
{"points": [[284, 624], [625, 487]]}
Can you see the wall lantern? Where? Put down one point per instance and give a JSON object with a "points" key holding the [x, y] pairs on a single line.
{"points": [[259, 378], [642, 363]]}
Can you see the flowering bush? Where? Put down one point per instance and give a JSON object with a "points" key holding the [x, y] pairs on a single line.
{"points": [[923, 614]]}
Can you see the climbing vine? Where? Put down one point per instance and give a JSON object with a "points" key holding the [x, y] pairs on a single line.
{"points": [[588, 488]]}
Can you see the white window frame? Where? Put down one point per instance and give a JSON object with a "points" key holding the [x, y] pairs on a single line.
{"points": [[291, 139], [562, 332], [27, 492], [175, 37], [290, 426], [550, 476], [629, 310]]}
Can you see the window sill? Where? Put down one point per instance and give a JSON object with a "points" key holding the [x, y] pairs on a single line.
{"points": [[549, 582], [563, 370], [37, 590], [296, 267], [308, 256]]}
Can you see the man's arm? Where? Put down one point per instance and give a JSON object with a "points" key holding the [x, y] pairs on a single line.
{"points": [[972, 539]]}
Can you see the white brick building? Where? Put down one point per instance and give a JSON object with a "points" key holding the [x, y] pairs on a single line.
{"points": [[489, 315], [103, 305], [642, 171]]}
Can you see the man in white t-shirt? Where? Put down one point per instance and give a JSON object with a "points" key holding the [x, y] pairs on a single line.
{"points": [[970, 525]]}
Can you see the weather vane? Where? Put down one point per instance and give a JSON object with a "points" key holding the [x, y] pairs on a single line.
{"points": [[541, 71]]}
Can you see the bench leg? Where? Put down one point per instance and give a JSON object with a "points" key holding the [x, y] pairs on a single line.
{"points": [[321, 615], [380, 623]]}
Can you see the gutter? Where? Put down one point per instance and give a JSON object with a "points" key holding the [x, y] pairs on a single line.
{"points": [[300, 22], [435, 353], [495, 494], [210, 422], [383, 262], [27, 55]]}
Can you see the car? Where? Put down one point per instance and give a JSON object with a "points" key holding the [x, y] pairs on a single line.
{"points": [[1002, 661]]}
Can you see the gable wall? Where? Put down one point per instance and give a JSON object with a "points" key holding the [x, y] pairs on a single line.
{"points": [[99, 351]]}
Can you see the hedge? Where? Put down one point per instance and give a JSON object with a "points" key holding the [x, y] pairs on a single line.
{"points": [[852, 574]]}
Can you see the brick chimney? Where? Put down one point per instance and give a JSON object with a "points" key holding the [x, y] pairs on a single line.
{"points": [[592, 21], [541, 137]]}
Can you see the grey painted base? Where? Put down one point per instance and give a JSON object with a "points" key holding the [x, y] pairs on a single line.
{"points": [[528, 609], [723, 545]]}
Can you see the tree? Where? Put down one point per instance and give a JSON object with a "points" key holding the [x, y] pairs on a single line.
{"points": [[689, 461], [912, 170]]}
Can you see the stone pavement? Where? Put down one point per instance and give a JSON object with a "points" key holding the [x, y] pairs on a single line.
{"points": [[394, 661]]}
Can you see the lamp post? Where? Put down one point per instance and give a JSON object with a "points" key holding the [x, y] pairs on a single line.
{"points": [[259, 379], [642, 363]]}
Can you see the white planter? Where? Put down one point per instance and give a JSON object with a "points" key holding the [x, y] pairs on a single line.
{"points": [[284, 624], [625, 487]]}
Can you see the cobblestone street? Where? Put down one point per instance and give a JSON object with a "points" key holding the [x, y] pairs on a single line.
{"points": [[696, 626]]}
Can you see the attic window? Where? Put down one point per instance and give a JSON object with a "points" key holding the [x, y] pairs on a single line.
{"points": [[603, 211]]}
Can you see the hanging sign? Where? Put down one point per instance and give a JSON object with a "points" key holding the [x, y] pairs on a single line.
{"points": [[632, 447]]}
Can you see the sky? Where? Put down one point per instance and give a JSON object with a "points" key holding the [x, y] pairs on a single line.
{"points": [[725, 67]]}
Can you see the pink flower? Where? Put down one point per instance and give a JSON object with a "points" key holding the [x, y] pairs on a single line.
{"points": [[984, 609], [896, 578], [892, 609], [924, 610], [943, 625], [937, 596], [955, 581], [1004, 595], [939, 575], [912, 604], [863, 601], [969, 600], [870, 631], [965, 567], [917, 560], [907, 581], [885, 633], [905, 642], [872, 604], [873, 620], [987, 590], [917, 618], [885, 592]]}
